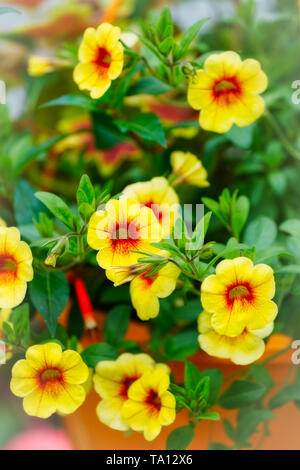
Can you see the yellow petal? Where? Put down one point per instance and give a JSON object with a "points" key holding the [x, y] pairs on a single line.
{"points": [[248, 108], [109, 413], [69, 398], [88, 47], [251, 77], [75, 371], [200, 90], [39, 404], [42, 356], [224, 65], [24, 379]]}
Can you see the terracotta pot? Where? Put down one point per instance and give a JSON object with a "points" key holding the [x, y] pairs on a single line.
{"points": [[87, 433]]}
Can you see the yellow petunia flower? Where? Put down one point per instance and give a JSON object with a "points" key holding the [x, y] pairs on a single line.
{"points": [[38, 65], [101, 59], [119, 230], [243, 349], [239, 296], [15, 267], [145, 290], [112, 380], [150, 406], [158, 196], [50, 380], [188, 169], [227, 92]]}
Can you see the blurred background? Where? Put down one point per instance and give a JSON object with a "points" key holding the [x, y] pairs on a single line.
{"points": [[265, 29]]}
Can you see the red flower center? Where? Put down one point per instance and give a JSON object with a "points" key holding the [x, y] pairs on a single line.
{"points": [[8, 267], [103, 58], [153, 400], [125, 386], [242, 292], [50, 376], [156, 209], [226, 87]]}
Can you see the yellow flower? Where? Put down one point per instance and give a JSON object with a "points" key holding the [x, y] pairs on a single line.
{"points": [[158, 196], [112, 380], [101, 59], [188, 169], [49, 380], [145, 290], [150, 405], [2, 223], [15, 267], [38, 65], [119, 230], [239, 296], [243, 349], [227, 92]]}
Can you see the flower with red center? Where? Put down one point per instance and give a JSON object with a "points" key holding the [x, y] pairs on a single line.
{"points": [[159, 196], [15, 267], [50, 380], [112, 380], [147, 289], [243, 349], [227, 92], [239, 296], [121, 229], [101, 59], [150, 405]]}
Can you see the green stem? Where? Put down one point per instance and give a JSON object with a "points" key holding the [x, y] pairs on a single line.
{"points": [[281, 135]]}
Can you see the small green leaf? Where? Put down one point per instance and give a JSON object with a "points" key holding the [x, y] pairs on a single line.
{"points": [[291, 226], [58, 208], [188, 37], [147, 125], [85, 198], [180, 438], [192, 376], [287, 394], [49, 293], [20, 321], [98, 352], [241, 136], [149, 86], [261, 233], [182, 345], [241, 393], [79, 101]]}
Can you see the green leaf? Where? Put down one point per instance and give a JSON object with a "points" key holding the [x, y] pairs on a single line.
{"points": [[248, 420], [79, 101], [241, 393], [188, 37], [182, 345], [166, 46], [149, 86], [147, 125], [291, 226], [180, 438], [192, 376], [106, 131], [262, 375], [58, 208], [86, 198], [165, 23], [98, 352], [211, 416], [116, 324], [241, 136], [287, 394], [49, 293], [261, 233], [216, 379], [289, 269], [20, 320], [26, 206], [240, 214], [188, 312], [8, 333]]}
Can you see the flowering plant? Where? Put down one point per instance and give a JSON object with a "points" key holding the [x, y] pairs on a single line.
{"points": [[157, 198]]}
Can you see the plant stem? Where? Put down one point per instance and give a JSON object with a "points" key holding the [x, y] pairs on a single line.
{"points": [[281, 135]]}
